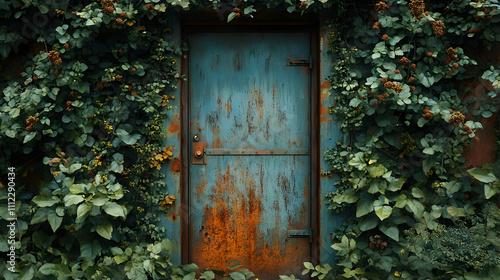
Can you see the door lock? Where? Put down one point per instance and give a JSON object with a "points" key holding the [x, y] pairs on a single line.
{"points": [[198, 152]]}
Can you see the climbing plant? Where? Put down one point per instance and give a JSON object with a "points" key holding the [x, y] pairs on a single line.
{"points": [[84, 92], [400, 82]]}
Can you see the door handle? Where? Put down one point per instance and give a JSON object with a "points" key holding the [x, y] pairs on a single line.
{"points": [[198, 152]]}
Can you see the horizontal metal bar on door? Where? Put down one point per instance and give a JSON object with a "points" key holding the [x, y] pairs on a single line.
{"points": [[255, 152]]}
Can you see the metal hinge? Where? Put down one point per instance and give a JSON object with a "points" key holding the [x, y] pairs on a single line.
{"points": [[301, 233]]}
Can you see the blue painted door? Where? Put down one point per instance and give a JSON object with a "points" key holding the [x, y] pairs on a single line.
{"points": [[249, 120]]}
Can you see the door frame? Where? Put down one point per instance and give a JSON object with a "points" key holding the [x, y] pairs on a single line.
{"points": [[212, 25]]}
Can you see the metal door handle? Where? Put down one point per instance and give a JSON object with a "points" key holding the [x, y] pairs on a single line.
{"points": [[198, 154]]}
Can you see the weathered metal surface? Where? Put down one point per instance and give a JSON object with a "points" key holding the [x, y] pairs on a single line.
{"points": [[254, 113]]}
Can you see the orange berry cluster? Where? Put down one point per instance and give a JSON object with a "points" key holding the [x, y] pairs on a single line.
{"points": [[380, 97], [381, 6], [394, 86], [237, 11], [417, 8], [31, 121], [404, 61], [484, 17], [437, 27], [385, 37], [467, 129], [119, 21], [54, 57], [107, 6], [451, 55], [68, 105], [456, 118], [427, 113], [376, 242], [376, 25]]}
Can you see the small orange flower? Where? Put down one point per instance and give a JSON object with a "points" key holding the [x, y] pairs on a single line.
{"points": [[119, 76], [119, 21], [385, 37], [397, 71], [133, 69]]}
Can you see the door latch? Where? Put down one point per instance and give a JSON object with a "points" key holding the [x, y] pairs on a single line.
{"points": [[198, 152]]}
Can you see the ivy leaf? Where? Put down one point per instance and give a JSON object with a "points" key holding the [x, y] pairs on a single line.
{"points": [[428, 151], [392, 231], [44, 200], [364, 207], [383, 212], [54, 220], [29, 137], [39, 216], [376, 170], [401, 201], [482, 174], [368, 223], [490, 190], [89, 250], [237, 276], [425, 80], [27, 273], [117, 164], [113, 209], [416, 207], [105, 230], [455, 212], [397, 184], [83, 209]]}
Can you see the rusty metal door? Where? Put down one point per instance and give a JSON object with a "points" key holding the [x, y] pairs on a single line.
{"points": [[249, 136]]}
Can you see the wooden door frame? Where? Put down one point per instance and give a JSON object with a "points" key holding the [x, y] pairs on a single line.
{"points": [[310, 26]]}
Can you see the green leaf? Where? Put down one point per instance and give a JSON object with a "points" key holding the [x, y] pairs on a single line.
{"points": [[40, 216], [83, 209], [482, 174], [105, 230], [455, 212], [308, 265], [29, 137], [77, 188], [54, 220], [473, 276], [489, 190], [237, 276], [401, 201], [27, 273], [89, 250], [190, 276], [392, 231], [120, 258], [44, 200], [416, 207], [113, 209], [428, 151], [383, 212], [396, 185], [376, 170], [43, 9], [368, 223], [364, 207]]}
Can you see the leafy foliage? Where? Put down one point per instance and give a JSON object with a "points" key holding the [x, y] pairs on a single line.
{"points": [[397, 89]]}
